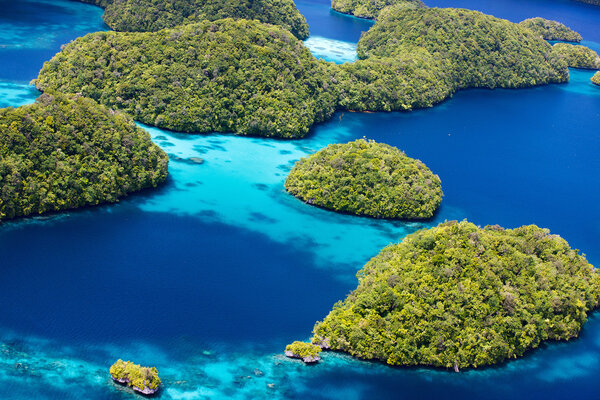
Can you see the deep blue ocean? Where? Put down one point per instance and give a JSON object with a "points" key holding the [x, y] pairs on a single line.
{"points": [[210, 276]]}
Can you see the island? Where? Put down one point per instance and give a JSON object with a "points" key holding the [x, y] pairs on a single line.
{"points": [[596, 78], [143, 380], [307, 352], [154, 15], [67, 152], [551, 30], [498, 53], [256, 79], [370, 9], [577, 56], [457, 296], [414, 58], [366, 178], [229, 75]]}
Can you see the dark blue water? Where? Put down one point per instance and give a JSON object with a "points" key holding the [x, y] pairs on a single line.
{"points": [[31, 32], [580, 16], [211, 275], [323, 21]]}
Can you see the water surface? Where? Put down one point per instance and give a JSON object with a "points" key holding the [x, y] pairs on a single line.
{"points": [[211, 275]]}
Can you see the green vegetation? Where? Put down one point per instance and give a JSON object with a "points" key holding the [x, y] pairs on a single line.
{"points": [[458, 296], [413, 80], [551, 30], [68, 152], [154, 15], [306, 351], [256, 79], [371, 8], [577, 56], [596, 78], [141, 379], [366, 178], [224, 76], [474, 49]]}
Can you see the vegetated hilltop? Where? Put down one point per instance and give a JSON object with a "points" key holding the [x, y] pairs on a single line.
{"points": [[68, 152], [222, 76], [366, 178], [460, 296], [415, 79], [154, 15], [577, 56], [596, 78], [414, 58], [371, 8], [475, 49], [551, 30]]}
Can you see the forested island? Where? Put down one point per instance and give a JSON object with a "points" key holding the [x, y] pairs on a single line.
{"points": [[154, 15], [307, 352], [143, 380], [251, 78], [224, 76], [497, 53], [458, 296], [66, 152], [551, 30], [577, 56], [596, 78], [370, 8], [366, 178]]}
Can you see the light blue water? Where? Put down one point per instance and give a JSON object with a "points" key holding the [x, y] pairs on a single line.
{"points": [[210, 276]]}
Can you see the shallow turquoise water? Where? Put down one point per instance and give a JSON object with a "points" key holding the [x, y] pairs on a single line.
{"points": [[211, 275]]}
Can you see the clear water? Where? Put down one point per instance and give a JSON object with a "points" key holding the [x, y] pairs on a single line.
{"points": [[210, 276]]}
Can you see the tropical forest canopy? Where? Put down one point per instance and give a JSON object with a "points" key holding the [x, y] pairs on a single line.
{"points": [[256, 79], [474, 49], [551, 30], [67, 152], [223, 76], [370, 8], [366, 178], [577, 56], [154, 15], [458, 295]]}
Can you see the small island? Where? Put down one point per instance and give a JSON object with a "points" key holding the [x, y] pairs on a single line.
{"points": [[596, 78], [551, 30], [370, 9], [458, 296], [577, 56], [143, 380], [307, 352], [154, 15], [366, 178], [67, 152]]}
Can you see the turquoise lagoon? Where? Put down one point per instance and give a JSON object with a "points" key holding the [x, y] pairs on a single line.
{"points": [[211, 275]]}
